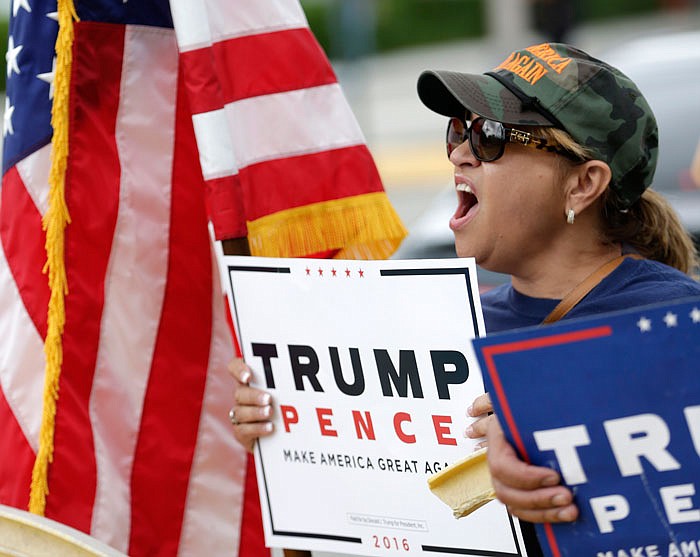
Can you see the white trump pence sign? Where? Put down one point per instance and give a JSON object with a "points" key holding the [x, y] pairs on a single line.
{"points": [[371, 369]]}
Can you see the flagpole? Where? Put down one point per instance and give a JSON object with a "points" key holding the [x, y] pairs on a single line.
{"points": [[240, 246]]}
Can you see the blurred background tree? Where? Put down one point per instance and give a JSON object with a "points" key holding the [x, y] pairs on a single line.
{"points": [[347, 29]]}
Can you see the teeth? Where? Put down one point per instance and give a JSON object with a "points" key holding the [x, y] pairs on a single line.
{"points": [[464, 187]]}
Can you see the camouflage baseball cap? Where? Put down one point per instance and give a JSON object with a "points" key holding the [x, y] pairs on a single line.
{"points": [[558, 85]]}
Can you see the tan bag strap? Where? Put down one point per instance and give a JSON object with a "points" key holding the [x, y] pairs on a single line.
{"points": [[583, 288]]}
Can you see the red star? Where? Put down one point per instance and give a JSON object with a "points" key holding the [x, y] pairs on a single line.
{"points": [[362, 273], [308, 271], [347, 273], [320, 272], [335, 273]]}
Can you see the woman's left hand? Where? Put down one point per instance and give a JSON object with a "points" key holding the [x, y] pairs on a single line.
{"points": [[481, 408], [531, 493]]}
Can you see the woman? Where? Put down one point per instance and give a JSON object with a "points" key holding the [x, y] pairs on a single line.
{"points": [[553, 152]]}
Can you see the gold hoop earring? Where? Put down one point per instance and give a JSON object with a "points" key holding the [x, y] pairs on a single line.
{"points": [[570, 216]]}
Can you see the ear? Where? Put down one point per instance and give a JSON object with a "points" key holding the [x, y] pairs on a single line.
{"points": [[585, 184]]}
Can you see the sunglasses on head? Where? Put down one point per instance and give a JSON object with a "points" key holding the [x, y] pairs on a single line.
{"points": [[488, 138]]}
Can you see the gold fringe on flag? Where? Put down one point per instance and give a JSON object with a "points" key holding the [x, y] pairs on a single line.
{"points": [[55, 221], [361, 227]]}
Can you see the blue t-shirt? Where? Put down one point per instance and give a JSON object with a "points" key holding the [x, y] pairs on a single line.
{"points": [[636, 282]]}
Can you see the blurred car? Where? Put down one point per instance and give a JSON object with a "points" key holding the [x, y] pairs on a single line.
{"points": [[667, 70]]}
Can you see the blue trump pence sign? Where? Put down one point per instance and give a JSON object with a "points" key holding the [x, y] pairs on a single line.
{"points": [[612, 403]]}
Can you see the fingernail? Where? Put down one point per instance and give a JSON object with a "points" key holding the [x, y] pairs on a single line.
{"points": [[559, 500], [567, 515], [550, 481], [469, 431], [267, 427], [266, 411], [245, 377], [469, 411], [264, 399]]}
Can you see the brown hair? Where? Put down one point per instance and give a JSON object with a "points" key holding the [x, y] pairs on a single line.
{"points": [[651, 226]]}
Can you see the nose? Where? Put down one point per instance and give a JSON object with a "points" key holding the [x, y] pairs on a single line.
{"points": [[463, 155]]}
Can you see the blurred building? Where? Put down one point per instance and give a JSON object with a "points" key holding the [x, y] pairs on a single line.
{"points": [[508, 22]]}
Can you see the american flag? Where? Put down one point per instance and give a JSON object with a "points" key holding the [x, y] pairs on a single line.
{"points": [[278, 141], [243, 125]]}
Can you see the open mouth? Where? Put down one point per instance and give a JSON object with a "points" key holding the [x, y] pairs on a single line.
{"points": [[468, 203]]}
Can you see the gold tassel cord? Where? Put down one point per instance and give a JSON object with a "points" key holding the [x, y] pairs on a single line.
{"points": [[55, 221]]}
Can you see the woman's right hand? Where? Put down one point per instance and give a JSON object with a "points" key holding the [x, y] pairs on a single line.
{"points": [[252, 408], [482, 410]]}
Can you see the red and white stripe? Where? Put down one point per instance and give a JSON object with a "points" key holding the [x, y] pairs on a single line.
{"points": [[272, 124], [24, 296], [144, 456]]}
